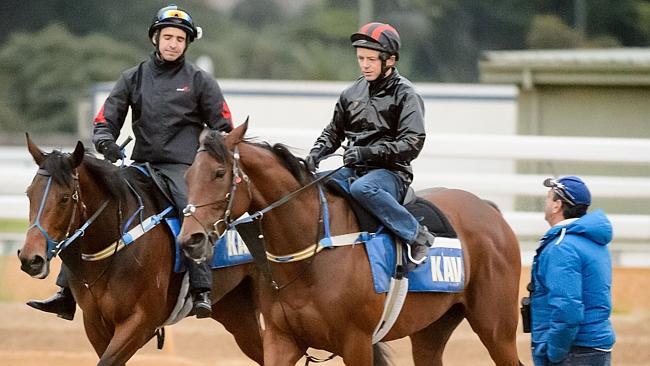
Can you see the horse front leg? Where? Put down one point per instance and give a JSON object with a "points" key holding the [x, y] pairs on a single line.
{"points": [[97, 333], [128, 338], [237, 312], [280, 349], [357, 350]]}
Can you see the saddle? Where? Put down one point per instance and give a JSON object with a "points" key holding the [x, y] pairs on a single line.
{"points": [[425, 212], [171, 219], [159, 181]]}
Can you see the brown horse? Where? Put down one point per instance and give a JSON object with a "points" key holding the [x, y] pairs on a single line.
{"points": [[129, 294], [327, 300]]}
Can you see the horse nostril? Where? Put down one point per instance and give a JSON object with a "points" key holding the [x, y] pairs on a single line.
{"points": [[18, 253], [196, 240], [33, 266], [195, 246], [37, 262]]}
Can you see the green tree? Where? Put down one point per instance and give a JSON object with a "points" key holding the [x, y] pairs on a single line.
{"points": [[643, 8], [45, 74], [549, 31], [618, 19]]}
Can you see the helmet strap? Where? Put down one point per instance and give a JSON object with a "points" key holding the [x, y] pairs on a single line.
{"points": [[384, 57]]}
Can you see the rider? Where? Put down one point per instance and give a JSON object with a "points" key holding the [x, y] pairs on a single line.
{"points": [[171, 100], [382, 117]]}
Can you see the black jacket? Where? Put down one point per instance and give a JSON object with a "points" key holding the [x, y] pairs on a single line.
{"points": [[171, 102], [385, 115]]}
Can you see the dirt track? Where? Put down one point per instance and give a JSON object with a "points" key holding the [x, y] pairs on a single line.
{"points": [[32, 338]]}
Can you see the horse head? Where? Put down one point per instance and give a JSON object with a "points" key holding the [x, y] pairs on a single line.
{"points": [[53, 206], [218, 191]]}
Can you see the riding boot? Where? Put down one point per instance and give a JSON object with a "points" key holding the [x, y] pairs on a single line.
{"points": [[202, 306], [200, 285], [62, 304], [418, 249]]}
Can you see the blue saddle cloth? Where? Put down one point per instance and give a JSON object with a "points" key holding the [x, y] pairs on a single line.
{"points": [[230, 250], [443, 271], [174, 224]]}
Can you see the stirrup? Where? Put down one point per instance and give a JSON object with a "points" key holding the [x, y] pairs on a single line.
{"points": [[410, 256]]}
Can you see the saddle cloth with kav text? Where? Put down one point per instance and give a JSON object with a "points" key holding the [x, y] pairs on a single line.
{"points": [[444, 270]]}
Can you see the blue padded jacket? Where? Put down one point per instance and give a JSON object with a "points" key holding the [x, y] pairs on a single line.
{"points": [[572, 280]]}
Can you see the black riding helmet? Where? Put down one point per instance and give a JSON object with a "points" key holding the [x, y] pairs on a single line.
{"points": [[377, 36], [173, 16]]}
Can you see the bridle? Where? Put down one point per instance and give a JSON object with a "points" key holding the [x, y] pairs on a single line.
{"points": [[55, 247], [238, 176]]}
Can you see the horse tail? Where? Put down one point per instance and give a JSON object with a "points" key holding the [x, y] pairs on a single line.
{"points": [[381, 354], [494, 205]]}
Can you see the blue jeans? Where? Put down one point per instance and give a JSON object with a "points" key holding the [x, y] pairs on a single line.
{"points": [[380, 192], [579, 356]]}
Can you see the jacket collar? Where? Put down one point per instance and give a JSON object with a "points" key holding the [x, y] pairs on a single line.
{"points": [[161, 65], [594, 225], [383, 83]]}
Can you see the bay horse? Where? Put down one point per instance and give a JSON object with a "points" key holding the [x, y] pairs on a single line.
{"points": [[128, 295], [327, 300]]}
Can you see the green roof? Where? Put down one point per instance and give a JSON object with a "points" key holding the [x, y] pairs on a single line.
{"points": [[618, 66]]}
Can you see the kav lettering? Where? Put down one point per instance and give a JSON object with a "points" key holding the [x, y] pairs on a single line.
{"points": [[236, 245], [446, 269]]}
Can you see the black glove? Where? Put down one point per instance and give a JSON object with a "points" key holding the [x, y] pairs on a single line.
{"points": [[110, 150], [311, 162], [356, 155]]}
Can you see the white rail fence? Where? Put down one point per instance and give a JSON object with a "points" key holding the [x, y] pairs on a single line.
{"points": [[458, 161]]}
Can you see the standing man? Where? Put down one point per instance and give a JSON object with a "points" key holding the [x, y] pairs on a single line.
{"points": [[171, 101], [571, 280], [382, 117]]}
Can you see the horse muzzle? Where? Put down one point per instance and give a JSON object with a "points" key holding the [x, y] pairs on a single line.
{"points": [[197, 247], [35, 265]]}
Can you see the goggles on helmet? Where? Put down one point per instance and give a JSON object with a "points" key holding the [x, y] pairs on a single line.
{"points": [[173, 12], [559, 189]]}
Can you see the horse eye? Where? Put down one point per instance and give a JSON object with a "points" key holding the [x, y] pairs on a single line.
{"points": [[65, 198], [219, 174]]}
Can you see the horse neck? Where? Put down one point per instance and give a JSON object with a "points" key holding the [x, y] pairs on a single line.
{"points": [[93, 193], [291, 226]]}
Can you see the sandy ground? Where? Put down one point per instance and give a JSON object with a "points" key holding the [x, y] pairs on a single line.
{"points": [[32, 338]]}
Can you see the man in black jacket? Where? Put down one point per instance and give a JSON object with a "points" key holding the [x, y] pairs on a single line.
{"points": [[171, 101], [382, 117]]}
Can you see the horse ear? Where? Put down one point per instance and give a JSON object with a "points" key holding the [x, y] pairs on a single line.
{"points": [[78, 154], [239, 132], [36, 153], [245, 124], [203, 134]]}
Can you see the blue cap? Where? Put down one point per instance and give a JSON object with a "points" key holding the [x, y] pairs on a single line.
{"points": [[571, 189]]}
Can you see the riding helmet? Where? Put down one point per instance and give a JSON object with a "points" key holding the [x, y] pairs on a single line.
{"points": [[173, 16], [377, 36]]}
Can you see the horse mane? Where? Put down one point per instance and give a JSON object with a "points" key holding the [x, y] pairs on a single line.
{"points": [[59, 166], [112, 177], [215, 144]]}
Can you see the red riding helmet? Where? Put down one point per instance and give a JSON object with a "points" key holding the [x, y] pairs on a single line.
{"points": [[377, 36], [173, 16]]}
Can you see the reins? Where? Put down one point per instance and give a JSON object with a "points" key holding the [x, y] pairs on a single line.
{"points": [[259, 214]]}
